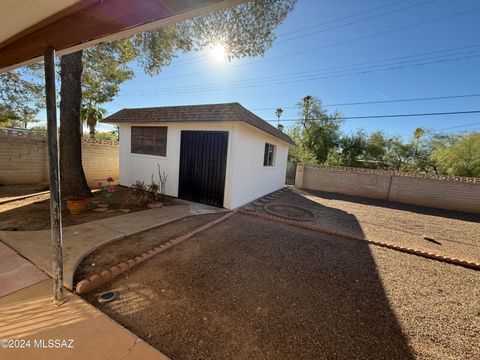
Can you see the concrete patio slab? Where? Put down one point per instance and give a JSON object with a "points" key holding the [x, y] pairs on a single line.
{"points": [[30, 314], [81, 240], [15, 272]]}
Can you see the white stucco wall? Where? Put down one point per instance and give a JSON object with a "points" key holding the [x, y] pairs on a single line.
{"points": [[246, 178], [251, 179]]}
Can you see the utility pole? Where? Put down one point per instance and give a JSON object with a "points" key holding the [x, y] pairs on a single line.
{"points": [[55, 198]]}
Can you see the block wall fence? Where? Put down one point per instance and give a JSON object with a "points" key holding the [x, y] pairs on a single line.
{"points": [[24, 159], [443, 192]]}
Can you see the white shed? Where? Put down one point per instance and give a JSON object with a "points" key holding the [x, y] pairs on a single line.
{"points": [[218, 154]]}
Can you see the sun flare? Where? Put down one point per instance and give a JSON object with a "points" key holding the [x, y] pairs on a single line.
{"points": [[218, 52]]}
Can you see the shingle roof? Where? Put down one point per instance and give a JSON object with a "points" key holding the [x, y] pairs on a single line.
{"points": [[229, 112]]}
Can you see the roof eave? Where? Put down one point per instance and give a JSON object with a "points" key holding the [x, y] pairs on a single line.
{"points": [[97, 21]]}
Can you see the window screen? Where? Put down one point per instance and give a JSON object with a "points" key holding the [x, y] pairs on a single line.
{"points": [[269, 154], [149, 140]]}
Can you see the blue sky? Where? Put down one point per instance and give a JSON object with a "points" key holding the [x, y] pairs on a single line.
{"points": [[383, 54]]}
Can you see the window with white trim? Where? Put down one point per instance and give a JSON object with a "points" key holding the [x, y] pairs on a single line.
{"points": [[269, 155]]}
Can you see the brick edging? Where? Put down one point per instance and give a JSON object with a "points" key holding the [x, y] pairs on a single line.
{"points": [[93, 282], [424, 254]]}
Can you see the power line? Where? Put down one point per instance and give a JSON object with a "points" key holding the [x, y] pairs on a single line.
{"points": [[200, 57], [376, 34], [342, 18], [358, 21], [311, 75], [348, 67], [364, 63], [382, 101], [297, 79], [395, 115], [337, 43], [432, 98], [459, 126]]}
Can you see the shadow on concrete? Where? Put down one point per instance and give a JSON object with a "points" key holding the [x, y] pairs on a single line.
{"points": [[251, 288]]}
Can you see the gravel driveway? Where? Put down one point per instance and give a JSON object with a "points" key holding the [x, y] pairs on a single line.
{"points": [[253, 289]]}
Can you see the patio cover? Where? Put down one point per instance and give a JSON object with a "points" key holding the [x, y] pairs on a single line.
{"points": [[27, 28]]}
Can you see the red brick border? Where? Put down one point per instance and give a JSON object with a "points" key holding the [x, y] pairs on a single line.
{"points": [[424, 254], [93, 282]]}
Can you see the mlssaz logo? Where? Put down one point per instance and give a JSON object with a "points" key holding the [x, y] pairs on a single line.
{"points": [[53, 343]]}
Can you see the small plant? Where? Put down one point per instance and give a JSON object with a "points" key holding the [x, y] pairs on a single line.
{"points": [[154, 189], [140, 194], [162, 176], [107, 188]]}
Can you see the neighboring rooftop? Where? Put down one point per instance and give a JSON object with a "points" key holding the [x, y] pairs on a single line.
{"points": [[228, 112]]}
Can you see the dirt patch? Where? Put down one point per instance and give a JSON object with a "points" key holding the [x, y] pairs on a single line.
{"points": [[33, 213], [121, 250], [9, 192], [253, 289]]}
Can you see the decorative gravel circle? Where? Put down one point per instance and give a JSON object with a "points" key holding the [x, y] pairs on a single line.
{"points": [[291, 212]]}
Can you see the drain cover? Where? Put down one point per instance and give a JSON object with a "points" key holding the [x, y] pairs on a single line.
{"points": [[107, 296]]}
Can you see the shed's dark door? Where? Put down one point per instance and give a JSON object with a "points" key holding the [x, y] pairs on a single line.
{"points": [[203, 163]]}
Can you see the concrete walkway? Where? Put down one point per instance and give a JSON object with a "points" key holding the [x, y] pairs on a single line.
{"points": [[15, 272], [81, 240], [29, 314]]}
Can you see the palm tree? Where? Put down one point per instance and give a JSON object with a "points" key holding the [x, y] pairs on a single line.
{"points": [[418, 133], [278, 113], [92, 114]]}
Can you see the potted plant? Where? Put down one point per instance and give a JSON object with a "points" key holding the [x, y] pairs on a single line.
{"points": [[76, 204]]}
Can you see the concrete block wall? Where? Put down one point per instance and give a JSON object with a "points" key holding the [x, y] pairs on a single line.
{"points": [[24, 159], [100, 160], [442, 194], [459, 194], [350, 183]]}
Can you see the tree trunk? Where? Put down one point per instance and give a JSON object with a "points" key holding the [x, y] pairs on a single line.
{"points": [[92, 131], [72, 176]]}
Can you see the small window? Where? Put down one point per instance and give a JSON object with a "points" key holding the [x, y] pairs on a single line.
{"points": [[269, 155], [149, 140]]}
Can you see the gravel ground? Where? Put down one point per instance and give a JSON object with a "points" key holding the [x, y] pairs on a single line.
{"points": [[456, 234], [121, 250], [253, 289]]}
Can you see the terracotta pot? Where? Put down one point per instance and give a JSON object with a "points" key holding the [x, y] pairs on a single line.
{"points": [[76, 205]]}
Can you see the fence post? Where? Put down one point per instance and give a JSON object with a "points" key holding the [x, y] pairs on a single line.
{"points": [[299, 176]]}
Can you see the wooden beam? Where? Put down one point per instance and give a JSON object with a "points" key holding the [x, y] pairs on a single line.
{"points": [[93, 21], [55, 199]]}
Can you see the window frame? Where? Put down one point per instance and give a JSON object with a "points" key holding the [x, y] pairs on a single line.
{"points": [[269, 149], [151, 139]]}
